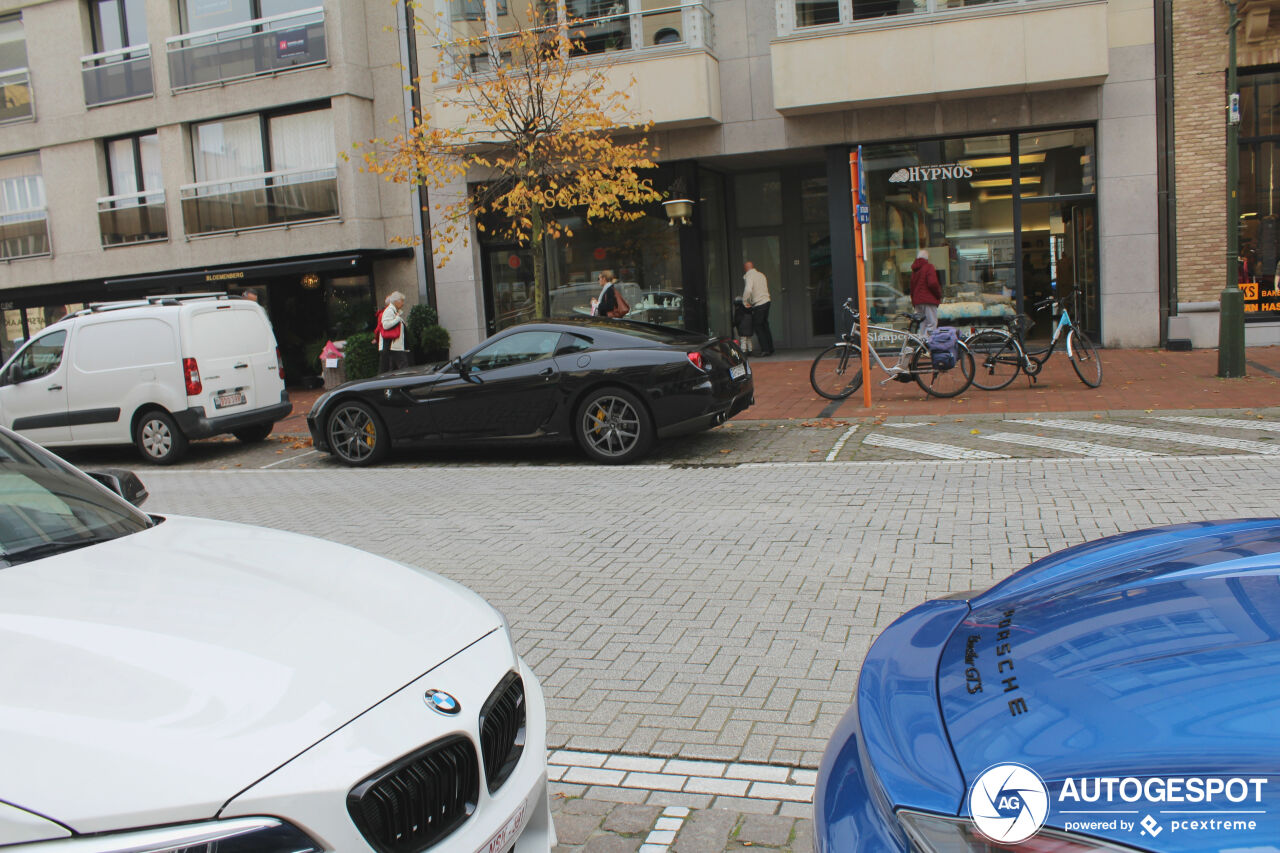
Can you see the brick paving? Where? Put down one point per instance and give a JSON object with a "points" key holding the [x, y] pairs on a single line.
{"points": [[687, 619]]}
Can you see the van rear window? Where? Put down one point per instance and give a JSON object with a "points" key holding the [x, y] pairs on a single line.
{"points": [[228, 334], [119, 344]]}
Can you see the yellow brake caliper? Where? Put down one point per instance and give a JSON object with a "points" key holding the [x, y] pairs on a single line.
{"points": [[370, 434]]}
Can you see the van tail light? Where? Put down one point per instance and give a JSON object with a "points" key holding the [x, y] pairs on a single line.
{"points": [[695, 358], [279, 363], [191, 372]]}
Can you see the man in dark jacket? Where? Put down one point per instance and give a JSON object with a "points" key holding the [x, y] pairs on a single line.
{"points": [[926, 292]]}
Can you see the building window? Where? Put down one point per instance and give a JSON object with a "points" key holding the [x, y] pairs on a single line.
{"points": [[997, 252], [261, 170], [1260, 195], [15, 81], [134, 209], [801, 14], [595, 26], [24, 230], [198, 15], [118, 24]]}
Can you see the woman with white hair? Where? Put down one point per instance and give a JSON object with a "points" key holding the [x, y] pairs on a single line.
{"points": [[391, 351], [926, 292]]}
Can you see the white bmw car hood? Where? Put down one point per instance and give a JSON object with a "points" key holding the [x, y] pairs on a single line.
{"points": [[154, 677]]}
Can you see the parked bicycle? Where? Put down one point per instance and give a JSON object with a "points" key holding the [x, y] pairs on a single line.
{"points": [[1002, 353], [837, 371]]}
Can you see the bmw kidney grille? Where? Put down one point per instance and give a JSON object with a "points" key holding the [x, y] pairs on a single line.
{"points": [[502, 730]]}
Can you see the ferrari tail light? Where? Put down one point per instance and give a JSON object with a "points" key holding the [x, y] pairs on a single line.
{"points": [[279, 363], [191, 372], [695, 358]]}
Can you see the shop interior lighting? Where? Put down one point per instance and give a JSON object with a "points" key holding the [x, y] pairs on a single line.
{"points": [[1003, 182], [992, 162]]}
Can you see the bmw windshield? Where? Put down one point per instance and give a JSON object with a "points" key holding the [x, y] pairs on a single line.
{"points": [[47, 507]]}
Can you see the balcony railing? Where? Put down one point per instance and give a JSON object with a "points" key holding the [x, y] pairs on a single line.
{"points": [[132, 218], [268, 200], [117, 75], [24, 234], [16, 101], [257, 48], [798, 16], [641, 32]]}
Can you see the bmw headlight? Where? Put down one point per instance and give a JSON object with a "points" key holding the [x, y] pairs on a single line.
{"points": [[936, 834], [239, 835]]}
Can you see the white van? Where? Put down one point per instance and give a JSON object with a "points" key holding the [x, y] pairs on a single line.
{"points": [[155, 373]]}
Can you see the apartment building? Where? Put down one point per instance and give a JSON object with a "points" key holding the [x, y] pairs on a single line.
{"points": [[1015, 141], [157, 146], [177, 145]]}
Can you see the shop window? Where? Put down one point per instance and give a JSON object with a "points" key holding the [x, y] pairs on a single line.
{"points": [[1259, 270], [1059, 162]]}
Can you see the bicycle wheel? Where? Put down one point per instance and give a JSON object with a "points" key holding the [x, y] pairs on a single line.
{"points": [[1084, 358], [837, 371], [997, 360], [943, 382]]}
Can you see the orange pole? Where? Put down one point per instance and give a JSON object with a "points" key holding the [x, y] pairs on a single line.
{"points": [[860, 264]]}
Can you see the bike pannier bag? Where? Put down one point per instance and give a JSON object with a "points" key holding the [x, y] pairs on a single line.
{"points": [[943, 343]]}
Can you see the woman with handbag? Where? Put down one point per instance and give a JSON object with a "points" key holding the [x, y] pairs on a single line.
{"points": [[390, 331], [611, 302]]}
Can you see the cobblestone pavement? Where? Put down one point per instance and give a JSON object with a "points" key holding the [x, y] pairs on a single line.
{"points": [[824, 440], [699, 630]]}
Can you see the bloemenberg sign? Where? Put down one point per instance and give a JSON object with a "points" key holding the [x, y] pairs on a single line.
{"points": [[1010, 803], [931, 173]]}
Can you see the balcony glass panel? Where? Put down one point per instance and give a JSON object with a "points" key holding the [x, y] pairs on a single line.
{"points": [[817, 13], [23, 234], [133, 218], [120, 75], [260, 201], [15, 95], [249, 49]]}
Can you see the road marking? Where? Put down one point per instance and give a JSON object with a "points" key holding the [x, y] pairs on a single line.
{"points": [[774, 782], [290, 459], [928, 448], [1260, 447], [839, 445], [1084, 448], [1233, 423]]}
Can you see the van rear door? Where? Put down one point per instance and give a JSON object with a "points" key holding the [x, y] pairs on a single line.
{"points": [[230, 343]]}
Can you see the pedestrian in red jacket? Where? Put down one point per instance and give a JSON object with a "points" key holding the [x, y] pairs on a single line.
{"points": [[926, 292]]}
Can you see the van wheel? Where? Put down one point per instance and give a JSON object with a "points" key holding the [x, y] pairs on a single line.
{"points": [[253, 434], [356, 434], [158, 438]]}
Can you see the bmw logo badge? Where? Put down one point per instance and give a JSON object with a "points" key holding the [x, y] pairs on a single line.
{"points": [[442, 703]]}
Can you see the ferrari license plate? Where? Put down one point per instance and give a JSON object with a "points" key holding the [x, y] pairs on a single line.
{"points": [[738, 371], [505, 838], [222, 401]]}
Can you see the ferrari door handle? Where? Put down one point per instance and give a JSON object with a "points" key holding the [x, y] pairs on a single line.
{"points": [[547, 371], [55, 387]]}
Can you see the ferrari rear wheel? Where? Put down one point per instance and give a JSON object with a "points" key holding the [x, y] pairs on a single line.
{"points": [[356, 434], [613, 427]]}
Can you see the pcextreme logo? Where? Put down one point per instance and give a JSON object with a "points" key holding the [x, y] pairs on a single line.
{"points": [[1008, 803]]}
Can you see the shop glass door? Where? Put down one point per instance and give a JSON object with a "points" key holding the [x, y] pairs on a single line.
{"points": [[1060, 258]]}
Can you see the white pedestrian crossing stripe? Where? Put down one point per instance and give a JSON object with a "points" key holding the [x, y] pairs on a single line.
{"points": [[929, 448], [1122, 431], [1233, 423], [1083, 448]]}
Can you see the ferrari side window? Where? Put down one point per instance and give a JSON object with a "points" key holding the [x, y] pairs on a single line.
{"points": [[520, 348]]}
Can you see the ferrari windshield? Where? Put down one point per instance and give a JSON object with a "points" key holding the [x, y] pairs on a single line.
{"points": [[47, 507]]}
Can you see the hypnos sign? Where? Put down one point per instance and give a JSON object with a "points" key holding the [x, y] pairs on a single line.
{"points": [[930, 173]]}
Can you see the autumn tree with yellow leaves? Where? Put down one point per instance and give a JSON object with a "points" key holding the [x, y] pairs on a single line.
{"points": [[539, 131]]}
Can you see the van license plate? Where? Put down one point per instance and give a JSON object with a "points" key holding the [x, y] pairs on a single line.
{"points": [[222, 401], [738, 371]]}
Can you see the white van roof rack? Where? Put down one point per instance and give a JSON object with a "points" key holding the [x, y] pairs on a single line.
{"points": [[161, 299]]}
